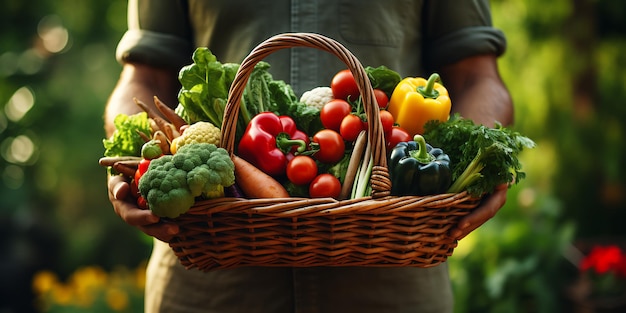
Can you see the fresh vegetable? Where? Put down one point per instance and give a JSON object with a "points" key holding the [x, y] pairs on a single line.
{"points": [[381, 98], [383, 78], [125, 140], [351, 127], [301, 170], [254, 183], [172, 182], [482, 157], [325, 186], [328, 146], [396, 135], [415, 101], [169, 114], [267, 141], [344, 86], [317, 96], [131, 161], [418, 169], [361, 186], [386, 120], [124, 169], [149, 151], [199, 132], [353, 165], [204, 87], [263, 93], [161, 139], [333, 112]]}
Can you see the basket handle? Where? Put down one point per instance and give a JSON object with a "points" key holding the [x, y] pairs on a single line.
{"points": [[381, 184]]}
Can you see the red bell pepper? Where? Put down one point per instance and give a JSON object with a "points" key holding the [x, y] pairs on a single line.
{"points": [[270, 141]]}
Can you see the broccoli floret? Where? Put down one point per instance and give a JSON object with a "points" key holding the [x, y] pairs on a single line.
{"points": [[172, 183], [164, 186]]}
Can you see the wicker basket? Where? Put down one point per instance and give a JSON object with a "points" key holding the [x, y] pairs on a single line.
{"points": [[379, 230]]}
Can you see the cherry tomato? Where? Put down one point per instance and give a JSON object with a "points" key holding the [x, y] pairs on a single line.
{"points": [[344, 86], [333, 112], [142, 203], [351, 127], [301, 170], [387, 120], [395, 135], [331, 146], [381, 98], [324, 186]]}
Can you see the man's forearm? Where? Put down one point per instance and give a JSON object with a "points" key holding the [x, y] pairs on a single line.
{"points": [[477, 92], [141, 82]]}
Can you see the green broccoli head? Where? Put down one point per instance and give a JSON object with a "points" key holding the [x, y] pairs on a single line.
{"points": [[172, 182], [216, 172], [164, 186]]}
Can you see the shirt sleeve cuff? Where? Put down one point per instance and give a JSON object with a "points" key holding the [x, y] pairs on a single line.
{"points": [[154, 49], [465, 43]]}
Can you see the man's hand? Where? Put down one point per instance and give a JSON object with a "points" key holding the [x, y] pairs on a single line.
{"points": [[144, 220], [485, 211]]}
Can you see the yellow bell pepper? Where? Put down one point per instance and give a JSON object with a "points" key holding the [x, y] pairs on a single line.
{"points": [[415, 101]]}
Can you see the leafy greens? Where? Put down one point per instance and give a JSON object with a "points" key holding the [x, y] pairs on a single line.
{"points": [[126, 141], [481, 157], [206, 83]]}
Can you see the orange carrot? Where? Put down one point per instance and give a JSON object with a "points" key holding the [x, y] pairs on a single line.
{"points": [[255, 183]]}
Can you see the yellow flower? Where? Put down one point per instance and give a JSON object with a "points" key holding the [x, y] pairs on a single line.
{"points": [[85, 282], [44, 281], [117, 299]]}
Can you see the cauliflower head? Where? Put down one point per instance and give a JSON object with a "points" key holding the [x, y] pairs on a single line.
{"points": [[199, 132], [172, 182], [317, 97]]}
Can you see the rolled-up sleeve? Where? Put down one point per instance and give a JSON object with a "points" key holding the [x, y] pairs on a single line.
{"points": [[458, 29], [158, 34]]}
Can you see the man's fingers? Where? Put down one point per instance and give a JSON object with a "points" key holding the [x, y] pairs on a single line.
{"points": [[484, 212], [162, 231]]}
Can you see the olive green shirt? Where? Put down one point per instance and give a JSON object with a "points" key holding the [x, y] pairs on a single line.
{"points": [[414, 38], [411, 37]]}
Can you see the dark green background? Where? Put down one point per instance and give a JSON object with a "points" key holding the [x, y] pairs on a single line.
{"points": [[566, 69]]}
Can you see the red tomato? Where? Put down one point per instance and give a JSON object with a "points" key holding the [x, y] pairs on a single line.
{"points": [[331, 146], [351, 127], [396, 135], [387, 120], [301, 170], [142, 203], [381, 98], [324, 186], [333, 112], [344, 86]]}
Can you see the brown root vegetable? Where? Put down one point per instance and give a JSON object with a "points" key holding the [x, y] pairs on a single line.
{"points": [[125, 170], [254, 183], [145, 137], [167, 127], [109, 161], [169, 113], [164, 142], [152, 112]]}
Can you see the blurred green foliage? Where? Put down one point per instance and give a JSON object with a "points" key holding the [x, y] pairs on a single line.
{"points": [[564, 66]]}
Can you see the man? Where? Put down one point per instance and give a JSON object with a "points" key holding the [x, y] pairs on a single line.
{"points": [[451, 37]]}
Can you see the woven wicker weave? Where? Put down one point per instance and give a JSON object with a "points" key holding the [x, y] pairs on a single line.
{"points": [[379, 230]]}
